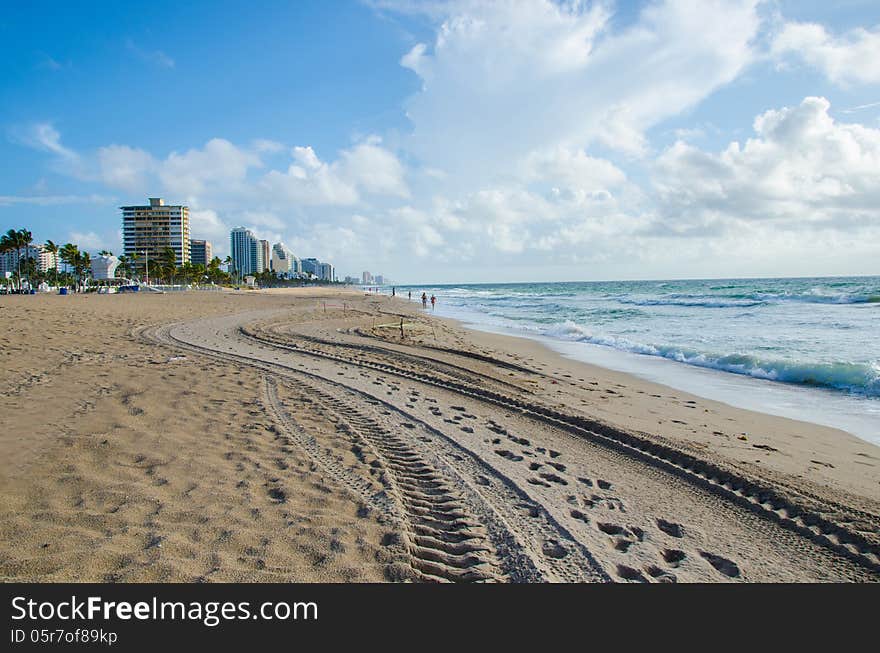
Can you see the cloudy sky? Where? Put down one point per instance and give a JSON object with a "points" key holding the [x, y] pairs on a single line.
{"points": [[459, 141]]}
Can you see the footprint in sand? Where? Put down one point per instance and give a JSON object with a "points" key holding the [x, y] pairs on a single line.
{"points": [[278, 495], [660, 575], [610, 529], [670, 528], [628, 573], [530, 509], [673, 556], [727, 567], [553, 549]]}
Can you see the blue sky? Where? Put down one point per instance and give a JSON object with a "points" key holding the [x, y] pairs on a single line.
{"points": [[458, 141]]}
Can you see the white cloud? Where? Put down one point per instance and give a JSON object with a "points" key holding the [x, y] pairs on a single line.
{"points": [[861, 107], [218, 163], [366, 168], [801, 166], [43, 136], [125, 167], [206, 224], [53, 200], [373, 168], [91, 241], [572, 168], [268, 146], [504, 79], [157, 57], [852, 58]]}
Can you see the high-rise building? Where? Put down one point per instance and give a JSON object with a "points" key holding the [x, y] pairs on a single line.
{"points": [[310, 266], [147, 231], [265, 259], [43, 259], [366, 278], [284, 262], [325, 272], [245, 251], [200, 252]]}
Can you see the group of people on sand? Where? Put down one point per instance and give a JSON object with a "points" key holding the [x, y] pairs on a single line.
{"points": [[424, 298]]}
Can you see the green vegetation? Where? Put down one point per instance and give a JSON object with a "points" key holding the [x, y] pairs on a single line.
{"points": [[73, 267]]}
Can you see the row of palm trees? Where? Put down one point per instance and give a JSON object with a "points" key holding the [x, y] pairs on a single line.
{"points": [[75, 266], [77, 263], [165, 269], [72, 265]]}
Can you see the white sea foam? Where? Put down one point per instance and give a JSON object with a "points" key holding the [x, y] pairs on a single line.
{"points": [[860, 378]]}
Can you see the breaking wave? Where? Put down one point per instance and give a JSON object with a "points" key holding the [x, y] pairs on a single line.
{"points": [[856, 378]]}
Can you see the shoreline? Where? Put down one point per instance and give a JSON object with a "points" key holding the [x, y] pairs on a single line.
{"points": [[776, 398], [801, 439], [265, 437]]}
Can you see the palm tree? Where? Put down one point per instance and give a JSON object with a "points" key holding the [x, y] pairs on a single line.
{"points": [[83, 264], [135, 257], [230, 266], [169, 263], [70, 254], [53, 249], [14, 239], [6, 245], [123, 264], [214, 272], [25, 238]]}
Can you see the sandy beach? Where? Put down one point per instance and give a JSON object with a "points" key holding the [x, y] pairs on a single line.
{"points": [[326, 435]]}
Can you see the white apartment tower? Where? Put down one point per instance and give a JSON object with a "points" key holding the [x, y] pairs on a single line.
{"points": [[148, 230], [246, 251]]}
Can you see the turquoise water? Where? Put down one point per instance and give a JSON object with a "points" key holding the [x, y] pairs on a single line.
{"points": [[821, 333]]}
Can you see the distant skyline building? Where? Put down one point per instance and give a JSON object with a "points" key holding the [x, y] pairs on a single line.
{"points": [[296, 266], [326, 272], [284, 262], [200, 252], [366, 278], [245, 251], [265, 261], [310, 266], [148, 230], [43, 259]]}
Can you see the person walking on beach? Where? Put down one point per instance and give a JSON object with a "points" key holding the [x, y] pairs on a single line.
{"points": [[393, 291], [409, 295], [433, 301], [424, 300]]}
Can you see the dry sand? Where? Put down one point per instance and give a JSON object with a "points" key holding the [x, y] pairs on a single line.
{"points": [[295, 436]]}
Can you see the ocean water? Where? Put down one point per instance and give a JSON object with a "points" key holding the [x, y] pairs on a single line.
{"points": [[813, 344]]}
